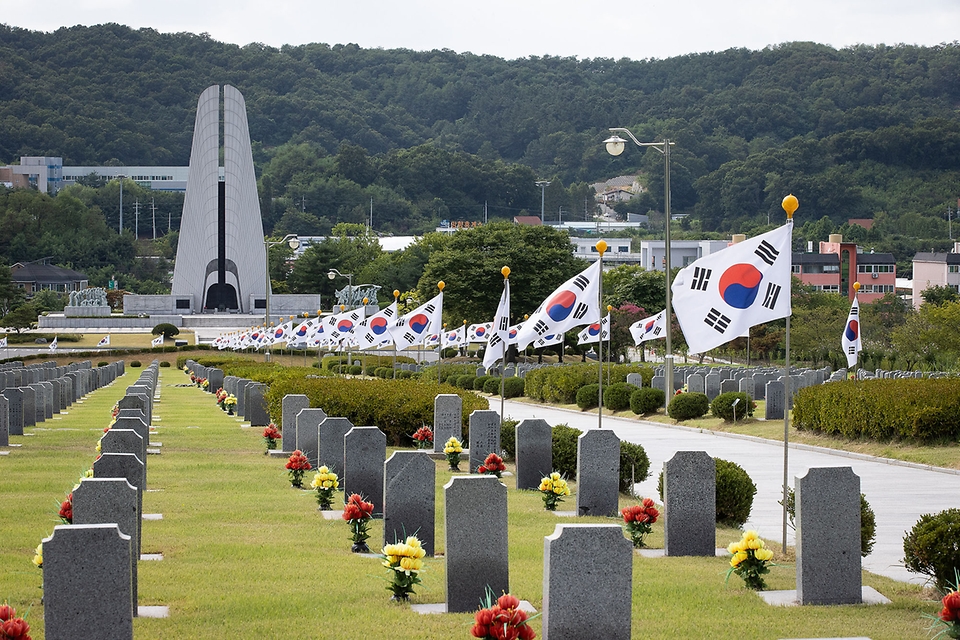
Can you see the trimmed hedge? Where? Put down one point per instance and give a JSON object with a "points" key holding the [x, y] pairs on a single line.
{"points": [[913, 409], [722, 406], [397, 407], [588, 396], [734, 493], [492, 385], [480, 382], [687, 406], [508, 438], [560, 384], [513, 387], [646, 400], [565, 450]]}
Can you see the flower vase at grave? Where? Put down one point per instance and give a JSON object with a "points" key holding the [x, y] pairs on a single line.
{"points": [[360, 547]]}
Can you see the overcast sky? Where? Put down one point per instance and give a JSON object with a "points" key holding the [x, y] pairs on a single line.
{"points": [[518, 28]]}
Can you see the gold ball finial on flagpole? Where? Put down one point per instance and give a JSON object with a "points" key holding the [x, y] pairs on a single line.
{"points": [[396, 293], [856, 287], [506, 272], [609, 308], [441, 285], [790, 204], [601, 247]]}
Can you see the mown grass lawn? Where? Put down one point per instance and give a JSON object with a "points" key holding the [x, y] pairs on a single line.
{"points": [[247, 556]]}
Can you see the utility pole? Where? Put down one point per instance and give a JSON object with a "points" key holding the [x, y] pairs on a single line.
{"points": [[136, 219], [484, 212], [371, 214], [121, 205], [169, 215], [153, 210]]}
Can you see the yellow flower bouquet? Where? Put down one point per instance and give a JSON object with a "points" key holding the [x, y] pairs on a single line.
{"points": [[405, 562], [452, 449], [553, 488], [749, 560], [325, 482]]}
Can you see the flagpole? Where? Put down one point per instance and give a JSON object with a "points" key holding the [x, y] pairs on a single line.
{"points": [[789, 205], [601, 249], [503, 348], [396, 296], [440, 285], [443, 335], [609, 336]]}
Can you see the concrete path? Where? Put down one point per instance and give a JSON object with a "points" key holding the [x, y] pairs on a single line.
{"points": [[899, 493]]}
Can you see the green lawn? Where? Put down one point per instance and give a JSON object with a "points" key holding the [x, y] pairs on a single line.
{"points": [[246, 556]]}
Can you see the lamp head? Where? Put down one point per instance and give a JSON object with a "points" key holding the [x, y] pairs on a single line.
{"points": [[294, 243], [615, 145], [331, 275]]}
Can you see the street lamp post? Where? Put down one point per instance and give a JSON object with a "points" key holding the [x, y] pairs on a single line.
{"points": [[615, 145], [294, 243], [543, 184], [333, 273]]}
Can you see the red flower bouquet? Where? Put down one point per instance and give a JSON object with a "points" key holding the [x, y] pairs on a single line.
{"points": [[492, 465], [297, 464], [423, 438], [638, 520], [66, 509], [503, 620], [11, 626], [270, 436], [949, 616], [358, 513]]}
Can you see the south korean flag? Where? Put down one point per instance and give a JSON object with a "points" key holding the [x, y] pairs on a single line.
{"points": [[418, 325], [649, 328], [547, 341], [574, 304], [375, 330], [596, 332], [720, 296], [851, 335]]}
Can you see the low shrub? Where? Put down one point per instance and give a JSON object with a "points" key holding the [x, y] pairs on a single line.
{"points": [[687, 406], [616, 396], [646, 400], [356, 370], [164, 364], [560, 384], [931, 547], [371, 370], [508, 438], [634, 465], [404, 375], [735, 492], [165, 329], [492, 386], [135, 363], [102, 363], [465, 381], [480, 382], [512, 387], [722, 406], [588, 396], [565, 450]]}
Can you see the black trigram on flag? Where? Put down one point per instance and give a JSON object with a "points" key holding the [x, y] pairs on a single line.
{"points": [[429, 308], [388, 312], [580, 311], [855, 310], [401, 322], [504, 324], [773, 292], [354, 316], [767, 253], [657, 330], [852, 349], [541, 327], [717, 320], [581, 282], [701, 278], [409, 337], [494, 341], [369, 338]]}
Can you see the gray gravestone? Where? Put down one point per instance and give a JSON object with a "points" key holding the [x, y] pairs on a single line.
{"points": [[29, 405], [111, 500], [658, 382], [242, 396], [15, 408], [137, 401], [635, 379], [332, 431], [775, 401], [136, 423], [475, 540], [4, 422], [711, 383], [87, 584], [256, 405], [121, 465], [290, 406], [484, 436], [689, 504], [39, 411], [730, 385], [587, 582], [126, 441], [695, 383], [746, 385], [534, 444], [828, 537], [598, 473], [215, 378], [409, 498], [364, 449], [447, 419], [308, 439]]}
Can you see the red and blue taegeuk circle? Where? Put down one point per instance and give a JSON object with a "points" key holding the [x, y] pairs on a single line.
{"points": [[558, 308], [852, 332], [593, 329], [419, 322], [345, 325], [647, 328], [378, 326], [481, 331], [302, 330], [740, 284]]}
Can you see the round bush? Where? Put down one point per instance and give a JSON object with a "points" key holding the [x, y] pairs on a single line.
{"points": [[465, 381], [371, 370], [356, 369], [513, 387], [722, 406], [401, 375], [102, 363], [165, 329], [687, 406], [646, 400], [616, 396], [868, 521], [164, 363], [492, 386], [508, 438], [479, 383], [565, 450], [735, 491], [931, 547], [634, 465], [588, 396], [135, 363]]}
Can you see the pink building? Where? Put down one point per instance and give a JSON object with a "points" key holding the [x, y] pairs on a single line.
{"points": [[935, 270], [839, 264]]}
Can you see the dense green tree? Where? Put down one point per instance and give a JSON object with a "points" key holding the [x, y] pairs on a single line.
{"points": [[10, 294], [349, 249], [939, 295], [20, 318]]}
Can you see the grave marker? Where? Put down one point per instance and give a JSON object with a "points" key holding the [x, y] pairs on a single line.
{"points": [[689, 504]]}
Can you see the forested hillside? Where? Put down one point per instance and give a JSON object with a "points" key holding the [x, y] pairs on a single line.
{"points": [[860, 132]]}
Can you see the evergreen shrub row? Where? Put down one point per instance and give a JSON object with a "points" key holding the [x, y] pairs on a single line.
{"points": [[560, 384]]}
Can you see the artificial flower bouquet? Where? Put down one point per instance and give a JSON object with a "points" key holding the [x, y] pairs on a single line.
{"points": [[12, 627], [404, 560], [230, 402], [423, 438], [452, 449], [270, 436], [325, 482], [638, 520], [492, 465], [749, 560], [948, 620], [502, 619], [358, 513], [553, 488], [297, 464], [66, 511]]}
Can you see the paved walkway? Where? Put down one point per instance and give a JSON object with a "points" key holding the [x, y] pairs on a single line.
{"points": [[898, 493]]}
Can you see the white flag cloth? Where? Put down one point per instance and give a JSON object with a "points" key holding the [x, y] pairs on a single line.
{"points": [[414, 327], [3, 342], [649, 328], [720, 296], [375, 330], [456, 338], [157, 342], [595, 332], [851, 335], [574, 304], [337, 328], [53, 345], [546, 341], [282, 332], [300, 334], [479, 332], [104, 341], [499, 335]]}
